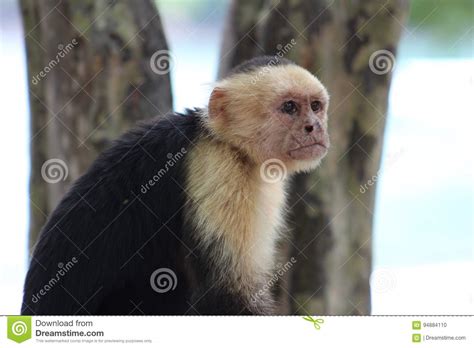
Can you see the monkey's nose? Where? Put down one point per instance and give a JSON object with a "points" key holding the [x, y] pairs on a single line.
{"points": [[312, 127]]}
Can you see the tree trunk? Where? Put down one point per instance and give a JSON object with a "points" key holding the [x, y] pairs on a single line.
{"points": [[350, 46], [93, 73]]}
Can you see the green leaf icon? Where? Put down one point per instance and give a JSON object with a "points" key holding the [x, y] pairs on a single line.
{"points": [[19, 328]]}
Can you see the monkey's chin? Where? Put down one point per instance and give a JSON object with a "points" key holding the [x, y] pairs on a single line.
{"points": [[306, 158], [304, 166]]}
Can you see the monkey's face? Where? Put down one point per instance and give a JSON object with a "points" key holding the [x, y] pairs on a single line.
{"points": [[274, 113]]}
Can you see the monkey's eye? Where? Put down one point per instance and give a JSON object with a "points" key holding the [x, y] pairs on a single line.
{"points": [[316, 106], [289, 107]]}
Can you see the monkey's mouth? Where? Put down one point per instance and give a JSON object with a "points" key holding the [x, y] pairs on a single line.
{"points": [[310, 151], [309, 146]]}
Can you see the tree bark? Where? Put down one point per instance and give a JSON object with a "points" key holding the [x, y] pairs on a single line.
{"points": [[91, 78], [344, 43]]}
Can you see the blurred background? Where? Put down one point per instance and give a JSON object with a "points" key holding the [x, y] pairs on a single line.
{"points": [[388, 228]]}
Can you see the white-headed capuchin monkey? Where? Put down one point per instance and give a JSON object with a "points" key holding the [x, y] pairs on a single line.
{"points": [[181, 215]]}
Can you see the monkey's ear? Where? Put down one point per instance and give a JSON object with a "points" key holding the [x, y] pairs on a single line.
{"points": [[217, 103]]}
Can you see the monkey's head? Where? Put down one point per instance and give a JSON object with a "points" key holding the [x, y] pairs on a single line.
{"points": [[272, 111]]}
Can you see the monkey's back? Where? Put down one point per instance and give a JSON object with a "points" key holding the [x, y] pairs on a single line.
{"points": [[120, 221]]}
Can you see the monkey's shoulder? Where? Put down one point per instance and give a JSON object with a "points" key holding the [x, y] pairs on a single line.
{"points": [[147, 147], [160, 136], [150, 157], [141, 171]]}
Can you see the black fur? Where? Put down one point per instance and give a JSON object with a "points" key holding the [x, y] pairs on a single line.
{"points": [[260, 62], [120, 235]]}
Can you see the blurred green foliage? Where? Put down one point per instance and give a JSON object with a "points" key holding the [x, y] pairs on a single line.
{"points": [[444, 19], [440, 29], [194, 10]]}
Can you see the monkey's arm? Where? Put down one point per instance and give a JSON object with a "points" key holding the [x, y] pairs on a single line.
{"points": [[76, 264], [211, 300], [214, 290], [115, 230], [214, 299]]}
